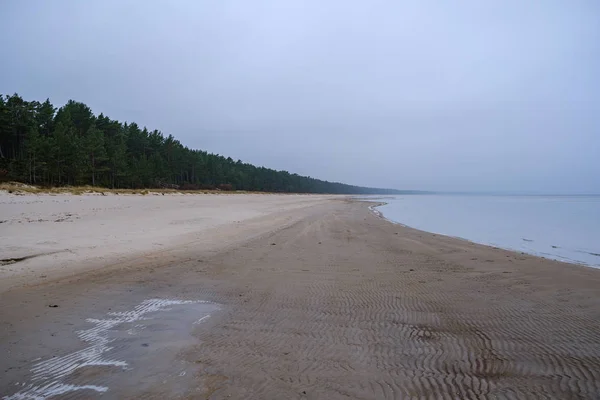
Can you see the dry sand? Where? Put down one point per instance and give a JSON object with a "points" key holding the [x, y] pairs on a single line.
{"points": [[307, 298], [64, 234]]}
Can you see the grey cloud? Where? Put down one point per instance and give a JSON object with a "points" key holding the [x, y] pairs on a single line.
{"points": [[471, 95]]}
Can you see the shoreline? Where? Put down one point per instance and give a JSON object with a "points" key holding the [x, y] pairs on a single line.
{"points": [[318, 299], [561, 260]]}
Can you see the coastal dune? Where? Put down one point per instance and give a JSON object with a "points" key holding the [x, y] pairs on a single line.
{"points": [[319, 298]]}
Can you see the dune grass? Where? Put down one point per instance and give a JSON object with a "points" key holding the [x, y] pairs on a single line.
{"points": [[22, 188]]}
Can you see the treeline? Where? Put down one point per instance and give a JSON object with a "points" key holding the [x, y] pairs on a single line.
{"points": [[71, 146]]}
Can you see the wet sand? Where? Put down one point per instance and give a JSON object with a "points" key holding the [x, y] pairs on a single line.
{"points": [[323, 301]]}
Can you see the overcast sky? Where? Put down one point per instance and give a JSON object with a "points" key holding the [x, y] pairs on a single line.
{"points": [[434, 95]]}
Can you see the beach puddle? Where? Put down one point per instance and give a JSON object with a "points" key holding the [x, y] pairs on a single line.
{"points": [[127, 348], [375, 211]]}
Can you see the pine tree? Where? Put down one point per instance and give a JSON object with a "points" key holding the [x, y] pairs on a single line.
{"points": [[71, 146], [96, 157]]}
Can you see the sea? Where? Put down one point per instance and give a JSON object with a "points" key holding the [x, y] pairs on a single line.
{"points": [[564, 228]]}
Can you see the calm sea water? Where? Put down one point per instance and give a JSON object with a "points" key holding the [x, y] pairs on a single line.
{"points": [[565, 228]]}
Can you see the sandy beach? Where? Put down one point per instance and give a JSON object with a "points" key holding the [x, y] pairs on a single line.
{"points": [[62, 234], [278, 296]]}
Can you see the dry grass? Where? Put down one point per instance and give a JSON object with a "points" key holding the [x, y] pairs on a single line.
{"points": [[22, 188]]}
